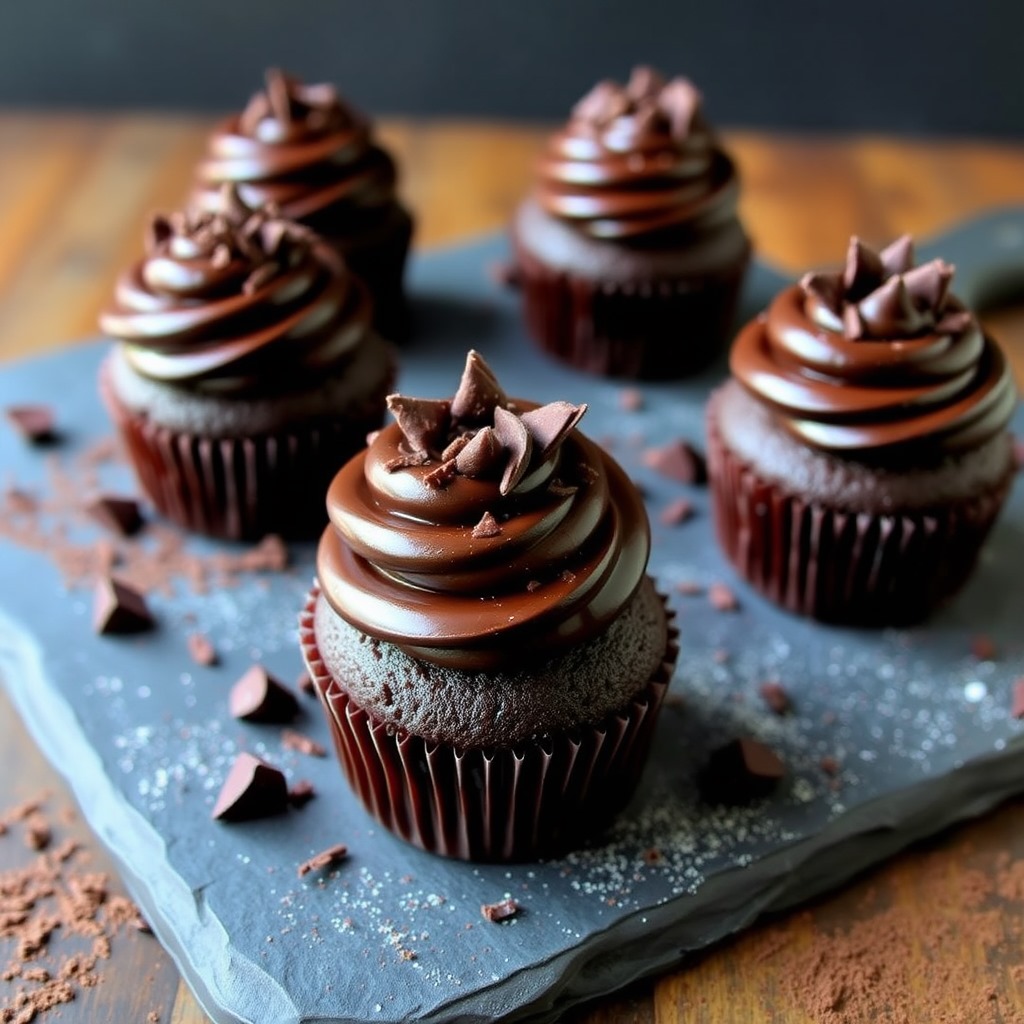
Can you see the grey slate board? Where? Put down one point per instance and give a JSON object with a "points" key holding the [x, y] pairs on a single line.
{"points": [[920, 727]]}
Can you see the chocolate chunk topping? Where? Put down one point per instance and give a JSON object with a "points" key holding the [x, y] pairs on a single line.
{"points": [[479, 392], [743, 770], [515, 440], [301, 744], [456, 446], [442, 476], [253, 789], [423, 421], [500, 911], [487, 527], [259, 697], [117, 514], [117, 608], [35, 423], [776, 697], [481, 453], [677, 460], [301, 793], [405, 460], [201, 650], [324, 859], [549, 425]]}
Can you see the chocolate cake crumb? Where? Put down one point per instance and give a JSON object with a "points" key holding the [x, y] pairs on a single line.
{"points": [[117, 608], [301, 793], [1017, 704], [118, 514], [260, 697], [487, 527], [302, 744], [776, 697], [500, 911], [678, 460], [631, 399], [201, 650], [678, 512], [35, 423], [324, 859], [722, 598], [983, 647]]}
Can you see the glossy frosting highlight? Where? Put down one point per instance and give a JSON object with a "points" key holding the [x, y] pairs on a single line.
{"points": [[241, 301], [535, 543], [637, 161], [878, 358]]}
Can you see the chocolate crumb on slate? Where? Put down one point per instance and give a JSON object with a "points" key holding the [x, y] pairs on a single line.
{"points": [[631, 399], [500, 911], [653, 856], [983, 647], [487, 527], [689, 588], [324, 859], [741, 771], [722, 598], [1017, 705], [35, 423], [260, 697], [301, 744], [253, 789], [117, 608], [119, 515], [678, 460], [201, 650], [776, 697], [301, 793], [829, 765], [676, 513], [304, 682]]}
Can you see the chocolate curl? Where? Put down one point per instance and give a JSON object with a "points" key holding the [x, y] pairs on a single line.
{"points": [[549, 425], [898, 256], [479, 392], [515, 440], [889, 312], [863, 272], [480, 454], [422, 421], [928, 285], [680, 102]]}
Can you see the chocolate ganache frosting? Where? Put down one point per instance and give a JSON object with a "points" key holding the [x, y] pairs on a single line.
{"points": [[241, 301], [482, 532], [638, 161], [301, 147], [877, 359]]}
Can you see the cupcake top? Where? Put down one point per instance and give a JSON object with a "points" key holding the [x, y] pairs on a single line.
{"points": [[242, 301], [877, 359], [637, 161], [303, 148], [481, 531]]}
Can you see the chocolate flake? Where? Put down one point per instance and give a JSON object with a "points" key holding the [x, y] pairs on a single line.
{"points": [[741, 771], [253, 789], [117, 608], [259, 697], [479, 394], [487, 527], [500, 911], [301, 793], [480, 454], [201, 650], [679, 511], [515, 440], [549, 425], [119, 515], [455, 447], [302, 744], [406, 460], [422, 421], [776, 697], [442, 476], [324, 859], [722, 598], [35, 423], [678, 460]]}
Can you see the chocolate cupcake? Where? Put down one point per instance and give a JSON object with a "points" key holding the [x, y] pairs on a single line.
{"points": [[860, 455], [247, 366], [629, 253], [303, 148], [483, 637]]}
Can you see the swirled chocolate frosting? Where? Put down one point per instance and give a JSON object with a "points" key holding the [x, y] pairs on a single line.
{"points": [[482, 532], [240, 301], [301, 147], [877, 358], [638, 161]]}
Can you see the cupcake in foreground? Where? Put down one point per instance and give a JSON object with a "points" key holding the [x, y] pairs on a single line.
{"points": [[483, 637], [303, 148], [246, 368], [860, 455], [629, 253]]}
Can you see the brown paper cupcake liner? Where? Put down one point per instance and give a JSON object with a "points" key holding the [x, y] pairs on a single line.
{"points": [[843, 567], [537, 799], [239, 488], [654, 329]]}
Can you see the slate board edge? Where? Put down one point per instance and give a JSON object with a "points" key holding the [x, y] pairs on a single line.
{"points": [[130, 839]]}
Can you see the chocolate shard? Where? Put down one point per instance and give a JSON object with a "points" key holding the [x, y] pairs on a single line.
{"points": [[279, 94], [479, 392], [853, 325], [119, 515], [500, 911], [740, 772], [259, 697], [898, 257], [863, 272], [423, 421], [117, 608], [549, 425], [324, 859], [677, 460], [889, 311], [516, 444], [928, 284], [481, 453], [406, 460], [253, 789], [487, 527], [35, 423]]}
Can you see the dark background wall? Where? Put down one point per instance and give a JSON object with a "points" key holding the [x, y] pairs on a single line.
{"points": [[943, 66]]}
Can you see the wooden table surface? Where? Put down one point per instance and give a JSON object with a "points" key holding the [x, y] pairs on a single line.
{"points": [[74, 193]]}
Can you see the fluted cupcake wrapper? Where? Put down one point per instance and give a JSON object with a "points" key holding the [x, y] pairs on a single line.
{"points": [[656, 329], [239, 488], [536, 799], [844, 567]]}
